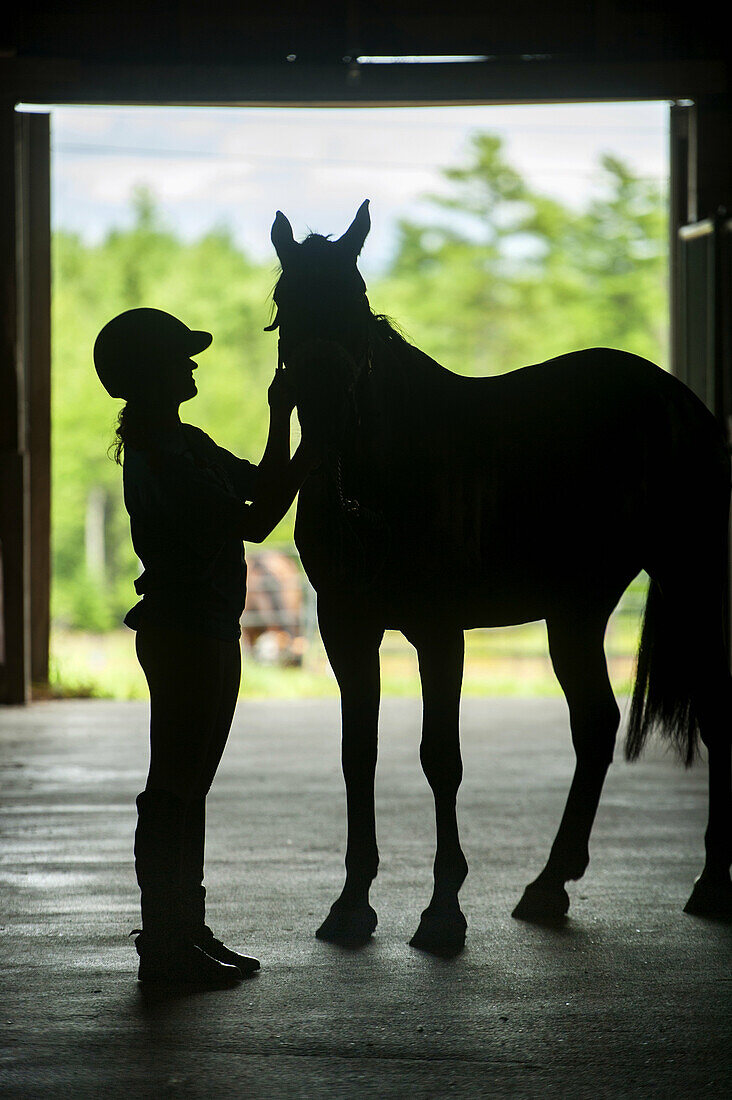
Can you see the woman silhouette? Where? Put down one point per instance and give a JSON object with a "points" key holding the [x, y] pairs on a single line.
{"points": [[187, 501]]}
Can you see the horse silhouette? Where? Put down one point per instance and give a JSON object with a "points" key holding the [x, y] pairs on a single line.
{"points": [[445, 502]]}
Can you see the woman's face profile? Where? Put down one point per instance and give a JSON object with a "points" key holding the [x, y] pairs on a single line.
{"points": [[171, 383]]}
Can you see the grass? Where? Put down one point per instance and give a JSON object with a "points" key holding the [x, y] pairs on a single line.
{"points": [[506, 661]]}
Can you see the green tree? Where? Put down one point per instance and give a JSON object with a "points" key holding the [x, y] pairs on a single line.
{"points": [[512, 276], [619, 247]]}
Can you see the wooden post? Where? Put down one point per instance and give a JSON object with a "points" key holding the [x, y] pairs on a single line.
{"points": [[678, 216], [710, 196], [14, 475], [710, 157], [34, 254]]}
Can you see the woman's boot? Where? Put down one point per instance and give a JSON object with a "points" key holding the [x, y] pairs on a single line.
{"points": [[166, 948], [193, 892]]}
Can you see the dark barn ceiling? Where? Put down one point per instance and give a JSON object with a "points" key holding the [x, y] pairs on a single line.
{"points": [[224, 32]]}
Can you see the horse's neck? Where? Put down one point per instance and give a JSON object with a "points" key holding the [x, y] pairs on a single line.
{"points": [[410, 380], [397, 398]]}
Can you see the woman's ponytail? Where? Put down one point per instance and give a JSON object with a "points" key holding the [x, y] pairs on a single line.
{"points": [[133, 430]]}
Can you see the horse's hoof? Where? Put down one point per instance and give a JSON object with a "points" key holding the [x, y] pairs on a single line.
{"points": [[711, 897], [351, 927], [542, 906], [440, 933]]}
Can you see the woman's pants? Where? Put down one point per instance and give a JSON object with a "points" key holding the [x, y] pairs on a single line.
{"points": [[194, 683]]}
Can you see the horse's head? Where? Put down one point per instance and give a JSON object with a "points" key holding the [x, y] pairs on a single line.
{"points": [[320, 295], [323, 318]]}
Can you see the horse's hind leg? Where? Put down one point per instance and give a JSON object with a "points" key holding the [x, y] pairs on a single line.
{"points": [[578, 657], [352, 643], [442, 928], [712, 695]]}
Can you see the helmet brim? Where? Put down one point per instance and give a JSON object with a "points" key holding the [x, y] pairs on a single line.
{"points": [[198, 341]]}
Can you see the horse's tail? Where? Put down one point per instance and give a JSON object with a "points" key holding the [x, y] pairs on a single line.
{"points": [[662, 695]]}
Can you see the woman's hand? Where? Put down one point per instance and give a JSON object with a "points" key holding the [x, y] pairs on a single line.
{"points": [[281, 395]]}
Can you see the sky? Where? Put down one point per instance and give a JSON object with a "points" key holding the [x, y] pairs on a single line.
{"points": [[238, 166]]}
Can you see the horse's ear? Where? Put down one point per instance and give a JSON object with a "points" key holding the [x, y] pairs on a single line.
{"points": [[282, 238], [352, 240]]}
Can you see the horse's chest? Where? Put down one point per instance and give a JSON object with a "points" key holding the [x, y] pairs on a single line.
{"points": [[339, 543]]}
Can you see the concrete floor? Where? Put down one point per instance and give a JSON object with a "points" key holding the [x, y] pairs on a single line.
{"points": [[631, 998]]}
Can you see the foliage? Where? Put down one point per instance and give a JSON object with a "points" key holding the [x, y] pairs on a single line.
{"points": [[510, 277], [500, 277]]}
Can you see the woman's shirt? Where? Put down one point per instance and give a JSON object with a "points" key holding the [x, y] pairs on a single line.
{"points": [[186, 508]]}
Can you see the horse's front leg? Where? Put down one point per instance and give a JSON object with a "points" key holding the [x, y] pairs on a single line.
{"points": [[352, 643], [442, 928]]}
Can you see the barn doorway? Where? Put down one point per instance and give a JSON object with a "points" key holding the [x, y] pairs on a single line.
{"points": [[511, 198]]}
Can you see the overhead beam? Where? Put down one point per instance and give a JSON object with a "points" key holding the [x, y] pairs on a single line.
{"points": [[541, 80]]}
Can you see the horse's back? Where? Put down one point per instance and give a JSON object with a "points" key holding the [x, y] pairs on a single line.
{"points": [[499, 493], [556, 471], [590, 382], [597, 414], [582, 391]]}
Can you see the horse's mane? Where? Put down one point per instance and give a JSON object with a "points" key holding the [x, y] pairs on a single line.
{"points": [[389, 329], [386, 334]]}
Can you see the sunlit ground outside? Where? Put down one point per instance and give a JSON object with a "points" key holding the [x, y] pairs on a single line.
{"points": [[505, 661]]}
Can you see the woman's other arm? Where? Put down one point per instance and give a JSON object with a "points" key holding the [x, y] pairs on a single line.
{"points": [[278, 476], [276, 457], [275, 494]]}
